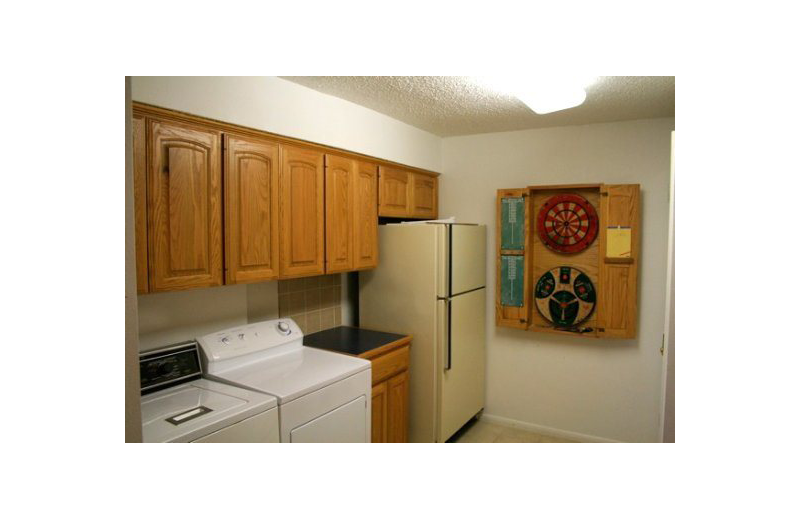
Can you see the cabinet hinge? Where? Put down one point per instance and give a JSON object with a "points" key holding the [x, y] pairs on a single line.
{"points": [[662, 345]]}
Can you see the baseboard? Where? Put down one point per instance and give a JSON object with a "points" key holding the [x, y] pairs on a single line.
{"points": [[544, 430]]}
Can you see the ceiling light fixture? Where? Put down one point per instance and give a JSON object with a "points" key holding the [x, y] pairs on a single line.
{"points": [[543, 95]]}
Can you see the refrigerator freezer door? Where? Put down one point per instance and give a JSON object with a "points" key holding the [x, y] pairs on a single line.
{"points": [[462, 386], [467, 258]]}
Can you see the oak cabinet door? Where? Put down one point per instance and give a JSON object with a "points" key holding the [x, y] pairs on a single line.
{"points": [[380, 414], [339, 213], [425, 196], [395, 193], [302, 218], [251, 209], [617, 310], [397, 391], [140, 201], [365, 233], [184, 207]]}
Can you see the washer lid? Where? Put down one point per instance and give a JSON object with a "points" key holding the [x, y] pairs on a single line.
{"points": [[294, 374], [187, 412]]}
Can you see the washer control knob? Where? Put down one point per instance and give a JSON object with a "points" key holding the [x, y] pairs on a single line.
{"points": [[284, 328], [226, 340]]}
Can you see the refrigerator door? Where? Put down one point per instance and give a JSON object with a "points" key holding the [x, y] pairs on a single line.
{"points": [[467, 258], [463, 357]]}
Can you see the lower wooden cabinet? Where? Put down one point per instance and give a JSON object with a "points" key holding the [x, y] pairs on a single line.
{"points": [[380, 415], [397, 408], [390, 394]]}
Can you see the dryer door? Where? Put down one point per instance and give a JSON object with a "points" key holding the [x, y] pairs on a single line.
{"points": [[348, 423]]}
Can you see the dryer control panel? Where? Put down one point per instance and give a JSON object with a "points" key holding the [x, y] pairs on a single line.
{"points": [[265, 338]]}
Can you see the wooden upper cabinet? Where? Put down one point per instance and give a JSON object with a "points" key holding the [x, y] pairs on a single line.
{"points": [[617, 308], [424, 196], [407, 194], [365, 203], [184, 206], [340, 176], [395, 193], [302, 218], [251, 209], [140, 201]]}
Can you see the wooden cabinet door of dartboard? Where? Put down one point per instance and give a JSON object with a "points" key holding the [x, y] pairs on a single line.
{"points": [[617, 311], [513, 294]]}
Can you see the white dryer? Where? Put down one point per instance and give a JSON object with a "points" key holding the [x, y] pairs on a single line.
{"points": [[322, 396]]}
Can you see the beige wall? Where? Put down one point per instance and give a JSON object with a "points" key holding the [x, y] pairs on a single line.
{"points": [[133, 417], [606, 389], [170, 317]]}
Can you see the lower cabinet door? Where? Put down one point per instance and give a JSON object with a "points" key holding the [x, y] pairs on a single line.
{"points": [[397, 391], [379, 412]]}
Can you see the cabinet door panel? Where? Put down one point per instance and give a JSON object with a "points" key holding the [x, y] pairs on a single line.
{"points": [[251, 210], [339, 213], [379, 412], [395, 193], [425, 196], [617, 310], [397, 430], [140, 201], [185, 207], [302, 215], [365, 239]]}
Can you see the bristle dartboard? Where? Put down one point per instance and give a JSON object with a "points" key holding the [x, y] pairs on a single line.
{"points": [[567, 223], [565, 296]]}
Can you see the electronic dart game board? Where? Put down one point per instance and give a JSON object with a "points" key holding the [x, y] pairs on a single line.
{"points": [[565, 296], [567, 223]]}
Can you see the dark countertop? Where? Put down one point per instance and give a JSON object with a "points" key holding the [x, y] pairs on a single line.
{"points": [[350, 340]]}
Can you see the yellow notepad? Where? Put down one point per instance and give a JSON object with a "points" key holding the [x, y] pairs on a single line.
{"points": [[618, 242]]}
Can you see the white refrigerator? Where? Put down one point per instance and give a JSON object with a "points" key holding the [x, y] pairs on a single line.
{"points": [[431, 283]]}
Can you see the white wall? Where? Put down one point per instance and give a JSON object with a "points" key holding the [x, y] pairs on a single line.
{"points": [[282, 107], [133, 415], [608, 389]]}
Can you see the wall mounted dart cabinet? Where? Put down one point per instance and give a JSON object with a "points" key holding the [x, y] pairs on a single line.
{"points": [[568, 258]]}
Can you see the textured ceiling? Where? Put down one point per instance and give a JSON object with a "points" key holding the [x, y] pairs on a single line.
{"points": [[461, 105]]}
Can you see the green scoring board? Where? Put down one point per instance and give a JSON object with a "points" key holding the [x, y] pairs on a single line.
{"points": [[512, 223], [512, 280]]}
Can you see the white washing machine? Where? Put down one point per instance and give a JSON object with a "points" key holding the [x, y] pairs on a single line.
{"points": [[322, 396], [178, 405]]}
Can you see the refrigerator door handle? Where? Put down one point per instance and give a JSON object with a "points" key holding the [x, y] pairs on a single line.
{"points": [[449, 360]]}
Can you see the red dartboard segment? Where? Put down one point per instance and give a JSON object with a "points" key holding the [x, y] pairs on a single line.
{"points": [[567, 223]]}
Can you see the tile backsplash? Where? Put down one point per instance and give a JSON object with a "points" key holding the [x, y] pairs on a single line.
{"points": [[315, 303]]}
